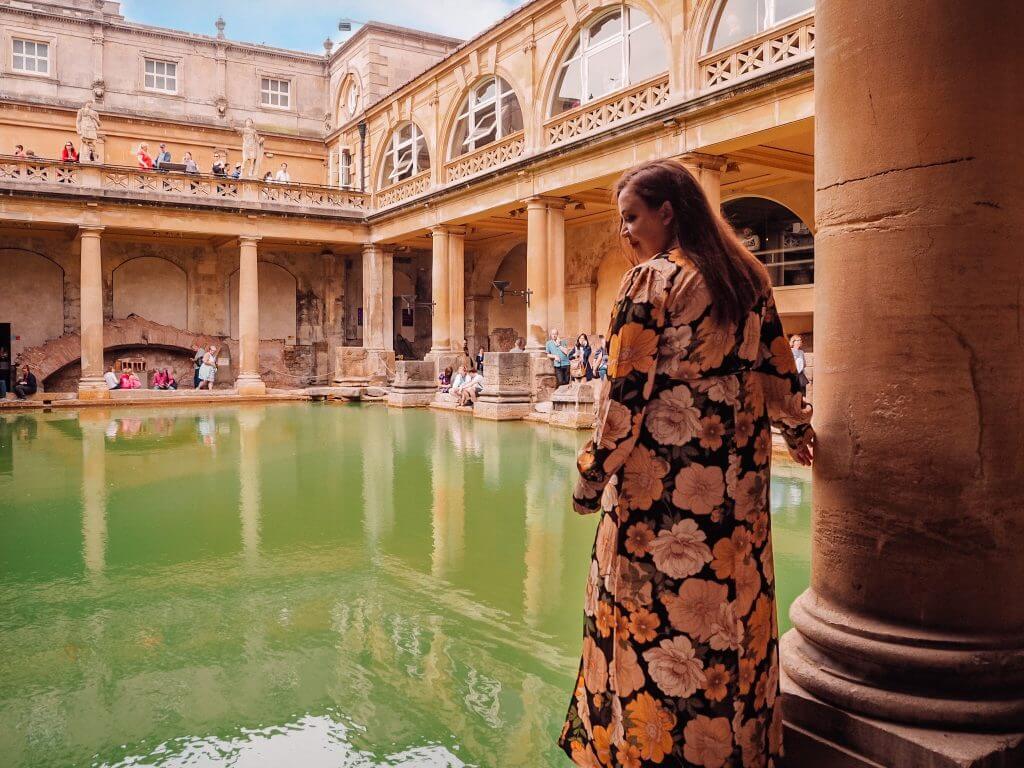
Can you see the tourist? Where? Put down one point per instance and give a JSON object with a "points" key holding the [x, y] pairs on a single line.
{"points": [[30, 154], [19, 150], [559, 358], [688, 460], [579, 365], [219, 167], [796, 343], [5, 372], [143, 158], [208, 370], [459, 381], [599, 360], [444, 380], [163, 157], [69, 154], [111, 379], [169, 380], [198, 352], [282, 177], [237, 173], [480, 361], [471, 389], [26, 384], [190, 164], [159, 382], [520, 345], [268, 178], [403, 348]]}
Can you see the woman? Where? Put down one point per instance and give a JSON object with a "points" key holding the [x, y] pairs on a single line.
{"points": [[480, 361], [142, 155], [208, 370], [579, 367], [444, 380], [599, 360], [159, 380], [680, 650], [190, 163], [69, 154], [169, 381], [125, 382]]}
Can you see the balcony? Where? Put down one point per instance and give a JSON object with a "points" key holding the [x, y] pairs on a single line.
{"points": [[121, 183], [772, 49]]}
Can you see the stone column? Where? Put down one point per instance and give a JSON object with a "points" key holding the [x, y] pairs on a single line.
{"points": [[457, 286], [441, 341], [708, 170], [249, 481], [915, 612], [91, 385], [378, 298], [556, 268], [93, 423], [537, 272], [249, 381]]}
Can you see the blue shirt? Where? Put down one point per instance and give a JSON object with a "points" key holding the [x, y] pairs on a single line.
{"points": [[554, 348]]}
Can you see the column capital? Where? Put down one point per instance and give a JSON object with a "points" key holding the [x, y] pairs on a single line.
{"points": [[448, 229], [545, 201], [90, 230], [388, 250], [705, 161], [249, 239]]}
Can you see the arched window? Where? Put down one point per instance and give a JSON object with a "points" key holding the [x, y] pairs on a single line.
{"points": [[776, 236], [406, 155], [740, 19], [615, 50], [490, 112]]}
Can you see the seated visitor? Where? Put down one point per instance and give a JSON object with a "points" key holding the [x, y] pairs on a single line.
{"points": [[143, 157], [444, 380], [111, 378], [471, 389], [159, 382], [169, 380], [459, 381], [69, 153], [134, 379], [26, 384]]}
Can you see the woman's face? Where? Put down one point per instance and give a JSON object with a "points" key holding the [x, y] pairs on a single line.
{"points": [[648, 231]]}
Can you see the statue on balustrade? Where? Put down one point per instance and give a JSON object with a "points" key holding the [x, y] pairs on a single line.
{"points": [[87, 123], [252, 149]]}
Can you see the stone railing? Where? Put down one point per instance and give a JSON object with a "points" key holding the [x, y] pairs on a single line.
{"points": [[781, 45], [614, 108], [109, 180], [403, 190], [486, 158]]}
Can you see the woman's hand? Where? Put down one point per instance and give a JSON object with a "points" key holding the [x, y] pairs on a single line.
{"points": [[804, 451]]}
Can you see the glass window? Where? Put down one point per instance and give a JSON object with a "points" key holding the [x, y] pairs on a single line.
{"points": [[619, 49], [275, 93], [31, 56], [776, 236], [161, 76], [345, 168], [740, 19], [406, 155], [490, 112]]}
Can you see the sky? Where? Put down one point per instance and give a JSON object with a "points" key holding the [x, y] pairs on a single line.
{"points": [[303, 24]]}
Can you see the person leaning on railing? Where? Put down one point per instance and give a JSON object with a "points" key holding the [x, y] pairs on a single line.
{"points": [[69, 154]]}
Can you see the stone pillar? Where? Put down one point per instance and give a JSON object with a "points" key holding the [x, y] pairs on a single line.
{"points": [[915, 614], [537, 273], [556, 268], [441, 341], [249, 480], [457, 286], [93, 423], [378, 298], [708, 170], [506, 392], [91, 385], [249, 381]]}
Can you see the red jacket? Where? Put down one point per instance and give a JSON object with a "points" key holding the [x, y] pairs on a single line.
{"points": [[69, 155]]}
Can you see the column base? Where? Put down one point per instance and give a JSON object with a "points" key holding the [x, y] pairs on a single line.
{"points": [[820, 734], [250, 385], [93, 388]]}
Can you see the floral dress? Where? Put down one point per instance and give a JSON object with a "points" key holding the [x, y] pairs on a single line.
{"points": [[680, 649]]}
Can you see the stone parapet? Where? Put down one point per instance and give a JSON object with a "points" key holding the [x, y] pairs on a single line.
{"points": [[506, 395], [354, 366], [572, 406], [542, 377], [414, 386]]}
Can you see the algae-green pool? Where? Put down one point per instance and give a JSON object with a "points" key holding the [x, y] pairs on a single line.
{"points": [[297, 584]]}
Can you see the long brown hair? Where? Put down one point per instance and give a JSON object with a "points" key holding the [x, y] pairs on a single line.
{"points": [[735, 279]]}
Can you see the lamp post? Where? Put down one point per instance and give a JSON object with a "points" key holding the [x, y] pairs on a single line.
{"points": [[503, 288]]}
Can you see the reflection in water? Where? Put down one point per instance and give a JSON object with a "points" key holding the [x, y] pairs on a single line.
{"points": [[298, 584]]}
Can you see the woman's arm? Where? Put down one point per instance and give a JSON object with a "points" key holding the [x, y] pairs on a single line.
{"points": [[632, 364]]}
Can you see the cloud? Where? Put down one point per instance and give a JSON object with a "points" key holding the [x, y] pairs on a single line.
{"points": [[304, 26]]}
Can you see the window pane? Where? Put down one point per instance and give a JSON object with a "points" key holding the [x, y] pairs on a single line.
{"points": [[511, 115], [785, 9], [19, 62], [150, 66], [19, 46], [605, 28], [569, 93], [459, 146], [637, 18], [485, 91], [739, 19], [646, 54], [485, 126], [422, 158], [604, 72], [150, 82]]}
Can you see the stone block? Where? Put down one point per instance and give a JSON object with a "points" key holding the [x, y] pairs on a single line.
{"points": [[358, 365], [542, 377], [415, 384], [572, 406], [506, 394]]}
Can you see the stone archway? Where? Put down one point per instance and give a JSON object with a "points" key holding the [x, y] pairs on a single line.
{"points": [[32, 298], [278, 303], [151, 287]]}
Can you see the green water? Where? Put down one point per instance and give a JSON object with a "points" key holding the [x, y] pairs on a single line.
{"points": [[297, 585]]}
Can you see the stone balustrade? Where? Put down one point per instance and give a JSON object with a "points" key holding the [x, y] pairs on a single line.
{"points": [[779, 46], [112, 181], [613, 109], [484, 159]]}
